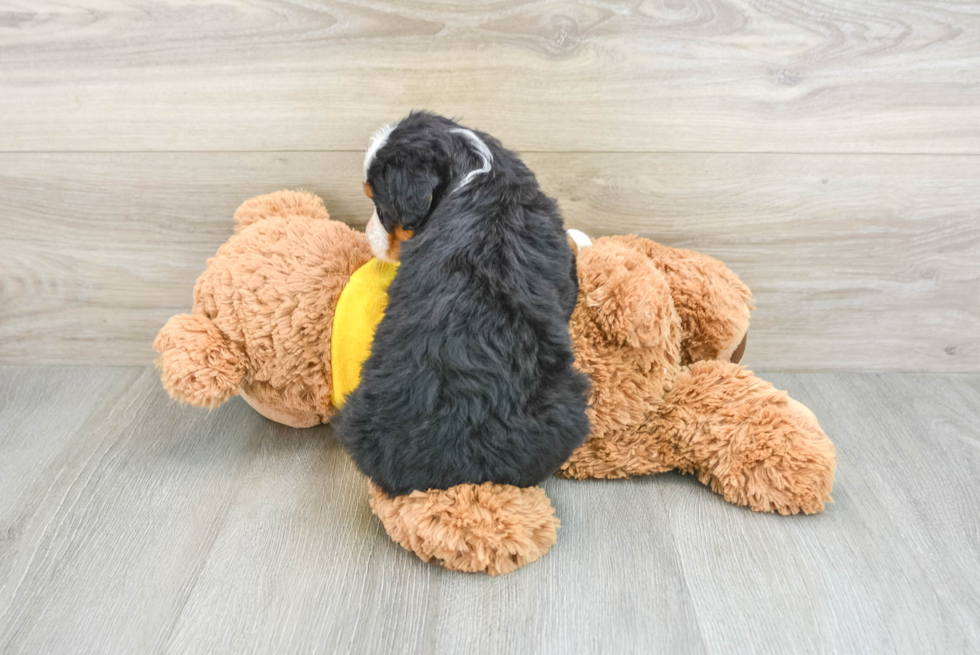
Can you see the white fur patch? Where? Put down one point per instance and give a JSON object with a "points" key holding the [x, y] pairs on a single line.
{"points": [[378, 140], [377, 238], [580, 238], [481, 149]]}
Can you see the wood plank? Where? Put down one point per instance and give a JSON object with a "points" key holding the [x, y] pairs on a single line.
{"points": [[32, 438], [924, 482], [172, 529], [106, 541], [887, 568], [724, 75], [857, 262], [324, 572], [152, 527]]}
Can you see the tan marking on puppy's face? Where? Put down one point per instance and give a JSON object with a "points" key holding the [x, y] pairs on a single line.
{"points": [[385, 245], [395, 243], [368, 191]]}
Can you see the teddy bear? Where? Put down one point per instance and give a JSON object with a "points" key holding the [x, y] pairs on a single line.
{"points": [[284, 314]]}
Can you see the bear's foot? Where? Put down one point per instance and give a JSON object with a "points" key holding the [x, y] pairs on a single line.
{"points": [[751, 443], [488, 528]]}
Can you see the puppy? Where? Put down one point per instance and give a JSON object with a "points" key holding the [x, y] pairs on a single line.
{"points": [[471, 375]]}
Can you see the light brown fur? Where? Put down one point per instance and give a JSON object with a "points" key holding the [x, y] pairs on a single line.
{"points": [[263, 312], [488, 528], [669, 405], [710, 300], [654, 327]]}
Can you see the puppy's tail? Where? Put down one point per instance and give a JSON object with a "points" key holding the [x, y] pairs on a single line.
{"points": [[280, 203], [198, 363]]}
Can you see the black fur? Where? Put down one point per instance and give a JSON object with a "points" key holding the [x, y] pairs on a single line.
{"points": [[470, 376]]}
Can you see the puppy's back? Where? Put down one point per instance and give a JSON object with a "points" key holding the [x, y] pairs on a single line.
{"points": [[471, 375]]}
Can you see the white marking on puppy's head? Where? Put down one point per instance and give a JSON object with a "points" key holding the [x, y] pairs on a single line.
{"points": [[481, 149], [581, 239], [378, 140], [377, 238]]}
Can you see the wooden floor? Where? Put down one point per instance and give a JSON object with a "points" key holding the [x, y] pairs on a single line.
{"points": [[130, 524], [827, 150]]}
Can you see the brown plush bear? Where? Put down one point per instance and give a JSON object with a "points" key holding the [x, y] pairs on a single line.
{"points": [[655, 328]]}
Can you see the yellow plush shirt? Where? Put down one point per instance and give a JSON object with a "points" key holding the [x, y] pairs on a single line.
{"points": [[359, 310]]}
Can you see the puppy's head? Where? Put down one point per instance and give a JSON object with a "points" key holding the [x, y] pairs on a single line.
{"points": [[409, 168]]}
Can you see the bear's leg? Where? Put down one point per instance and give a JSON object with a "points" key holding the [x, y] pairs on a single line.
{"points": [[713, 304], [753, 444], [488, 528], [623, 453]]}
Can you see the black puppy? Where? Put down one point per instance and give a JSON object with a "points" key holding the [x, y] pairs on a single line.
{"points": [[470, 377]]}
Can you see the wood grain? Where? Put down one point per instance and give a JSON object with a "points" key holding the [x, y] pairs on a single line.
{"points": [[903, 515], [857, 262], [918, 489], [591, 75], [132, 524], [105, 543]]}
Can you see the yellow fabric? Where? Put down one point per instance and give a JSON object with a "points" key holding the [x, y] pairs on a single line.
{"points": [[360, 308]]}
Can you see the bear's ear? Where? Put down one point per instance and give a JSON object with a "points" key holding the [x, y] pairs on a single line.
{"points": [[627, 296], [281, 203]]}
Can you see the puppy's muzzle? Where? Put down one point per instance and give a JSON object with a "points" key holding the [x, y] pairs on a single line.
{"points": [[385, 245]]}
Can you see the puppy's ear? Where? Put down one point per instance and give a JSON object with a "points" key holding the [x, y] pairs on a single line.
{"points": [[410, 193]]}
